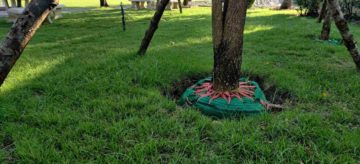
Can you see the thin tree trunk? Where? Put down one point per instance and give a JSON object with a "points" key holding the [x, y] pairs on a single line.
{"points": [[27, 2], [18, 2], [323, 11], [106, 3], [123, 16], [343, 27], [21, 33], [325, 32], [180, 6], [13, 3], [153, 27], [228, 32], [286, 4]]}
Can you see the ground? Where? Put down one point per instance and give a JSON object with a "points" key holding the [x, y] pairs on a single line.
{"points": [[80, 94]]}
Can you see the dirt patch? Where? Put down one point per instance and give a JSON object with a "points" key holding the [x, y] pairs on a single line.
{"points": [[272, 93], [8, 145]]}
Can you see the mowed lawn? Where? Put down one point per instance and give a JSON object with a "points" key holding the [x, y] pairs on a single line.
{"points": [[80, 94]]}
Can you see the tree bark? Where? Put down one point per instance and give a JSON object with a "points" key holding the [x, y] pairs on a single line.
{"points": [[343, 28], [21, 33], [228, 32], [153, 27], [325, 32], [286, 4]]}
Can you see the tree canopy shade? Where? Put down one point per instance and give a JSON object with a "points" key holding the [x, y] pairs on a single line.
{"points": [[21, 33]]}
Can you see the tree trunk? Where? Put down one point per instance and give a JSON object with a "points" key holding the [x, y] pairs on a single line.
{"points": [[103, 3], [228, 32], [186, 2], [323, 11], [27, 2], [123, 17], [286, 4], [21, 33], [153, 26], [343, 27], [180, 6], [325, 32], [6, 4], [18, 2], [13, 3]]}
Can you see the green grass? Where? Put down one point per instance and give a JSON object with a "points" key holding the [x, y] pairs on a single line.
{"points": [[79, 93], [95, 3], [91, 3]]}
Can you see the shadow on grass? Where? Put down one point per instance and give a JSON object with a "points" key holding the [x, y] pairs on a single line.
{"points": [[66, 35], [98, 81]]}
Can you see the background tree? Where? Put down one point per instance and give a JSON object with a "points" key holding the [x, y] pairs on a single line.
{"points": [[180, 6], [326, 28], [343, 27], [309, 7], [286, 4], [323, 11], [103, 3], [21, 33], [153, 26], [18, 3], [13, 3]]}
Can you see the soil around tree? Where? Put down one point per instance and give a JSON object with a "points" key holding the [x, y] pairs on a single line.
{"points": [[272, 93]]}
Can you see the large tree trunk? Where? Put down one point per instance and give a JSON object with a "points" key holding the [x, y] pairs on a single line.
{"points": [[286, 4], [228, 32], [325, 32], [21, 33], [153, 26], [343, 27]]}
